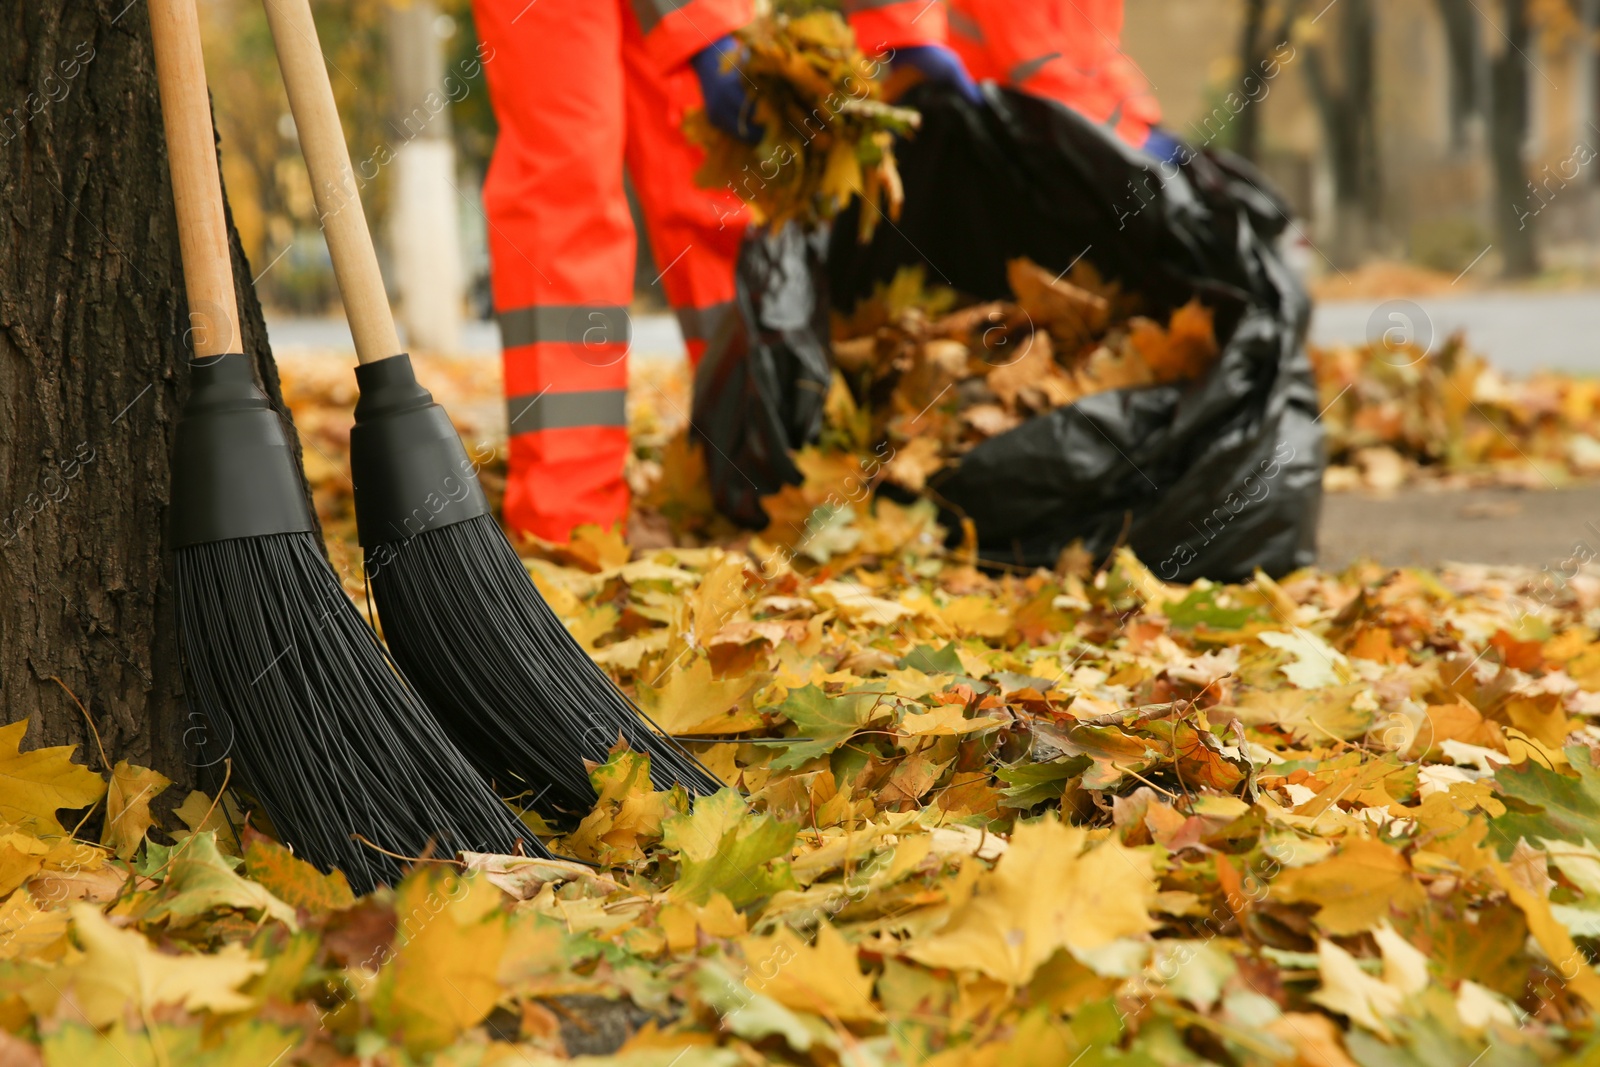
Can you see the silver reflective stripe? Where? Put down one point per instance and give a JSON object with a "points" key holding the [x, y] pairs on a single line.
{"points": [[563, 411], [701, 324], [852, 6], [965, 25], [651, 12], [578, 325], [1029, 67]]}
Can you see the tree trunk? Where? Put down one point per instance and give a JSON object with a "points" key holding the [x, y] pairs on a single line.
{"points": [[1248, 139], [1461, 20], [92, 373], [1515, 206], [1345, 102]]}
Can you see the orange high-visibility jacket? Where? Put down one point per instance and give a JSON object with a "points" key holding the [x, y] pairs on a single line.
{"points": [[1067, 50]]}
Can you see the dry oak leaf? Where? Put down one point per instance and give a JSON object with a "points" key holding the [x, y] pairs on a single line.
{"points": [[120, 970], [1357, 889], [128, 799], [35, 785], [1050, 890], [823, 978]]}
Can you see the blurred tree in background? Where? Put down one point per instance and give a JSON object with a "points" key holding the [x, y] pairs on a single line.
{"points": [[271, 193]]}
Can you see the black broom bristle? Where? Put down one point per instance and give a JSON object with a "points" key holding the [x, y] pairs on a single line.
{"points": [[324, 730], [513, 688]]}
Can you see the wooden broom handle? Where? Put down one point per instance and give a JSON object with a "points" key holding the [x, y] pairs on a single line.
{"points": [[196, 187], [333, 180]]}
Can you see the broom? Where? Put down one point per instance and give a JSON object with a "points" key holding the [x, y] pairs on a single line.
{"points": [[327, 735], [461, 615]]}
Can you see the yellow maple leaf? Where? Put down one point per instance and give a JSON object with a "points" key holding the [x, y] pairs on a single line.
{"points": [[690, 701], [1357, 889], [852, 601], [120, 970], [443, 978], [1050, 890], [128, 800], [21, 857], [29, 932], [35, 785], [947, 720], [1552, 937], [823, 978], [199, 813]]}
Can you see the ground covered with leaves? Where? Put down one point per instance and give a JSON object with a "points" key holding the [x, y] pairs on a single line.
{"points": [[1072, 815]]}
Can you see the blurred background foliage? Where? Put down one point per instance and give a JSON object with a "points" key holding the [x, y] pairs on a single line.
{"points": [[268, 190]]}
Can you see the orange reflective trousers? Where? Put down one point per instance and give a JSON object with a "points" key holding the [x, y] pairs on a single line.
{"points": [[580, 88]]}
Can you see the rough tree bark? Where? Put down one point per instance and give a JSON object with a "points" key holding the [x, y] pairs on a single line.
{"points": [[1509, 111], [92, 374]]}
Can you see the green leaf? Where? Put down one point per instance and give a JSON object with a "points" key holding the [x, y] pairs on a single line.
{"points": [[826, 722], [725, 848], [201, 880], [753, 1016], [249, 1043], [930, 660], [1203, 608], [1032, 784], [1558, 807]]}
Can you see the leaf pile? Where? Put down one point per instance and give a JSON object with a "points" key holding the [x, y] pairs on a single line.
{"points": [[1399, 414], [931, 381], [1030, 819], [827, 134]]}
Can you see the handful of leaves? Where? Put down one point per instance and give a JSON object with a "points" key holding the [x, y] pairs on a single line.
{"points": [[935, 381], [827, 134]]}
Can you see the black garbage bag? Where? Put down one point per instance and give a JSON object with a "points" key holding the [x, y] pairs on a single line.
{"points": [[1212, 478], [759, 389]]}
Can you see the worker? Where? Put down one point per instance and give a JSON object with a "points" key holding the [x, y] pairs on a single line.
{"points": [[580, 88], [1066, 50]]}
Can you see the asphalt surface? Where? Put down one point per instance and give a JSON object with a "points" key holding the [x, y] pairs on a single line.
{"points": [[1419, 527], [1519, 332]]}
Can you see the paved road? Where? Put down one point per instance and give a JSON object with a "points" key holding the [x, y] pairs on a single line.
{"points": [[654, 336], [1533, 528], [1520, 332]]}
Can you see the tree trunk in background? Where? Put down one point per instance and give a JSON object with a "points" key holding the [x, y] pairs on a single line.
{"points": [[424, 235], [1461, 30], [92, 372], [1508, 133], [1345, 102], [1247, 142]]}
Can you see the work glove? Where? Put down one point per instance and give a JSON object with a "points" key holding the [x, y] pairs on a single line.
{"points": [[728, 103], [939, 64], [1165, 147]]}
